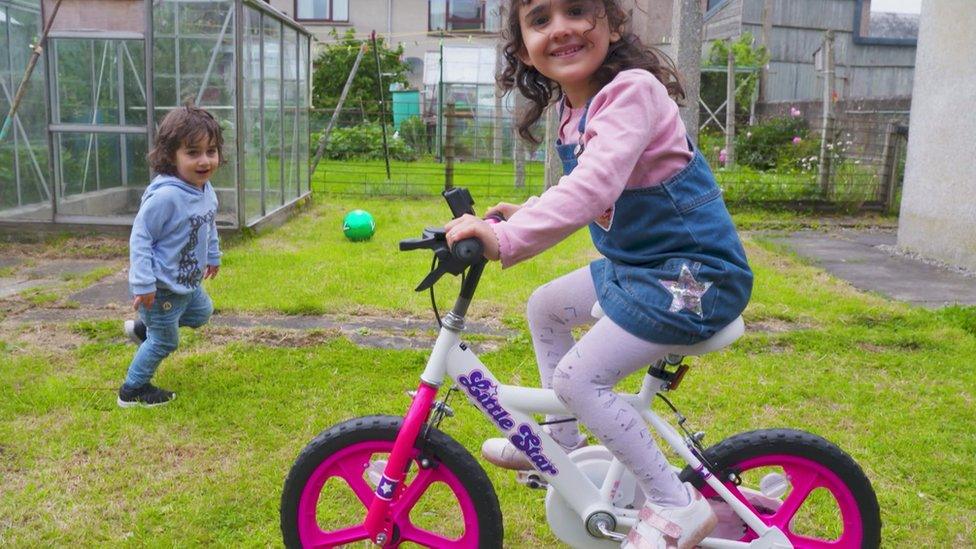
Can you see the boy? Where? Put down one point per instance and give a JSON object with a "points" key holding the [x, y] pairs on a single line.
{"points": [[173, 247]]}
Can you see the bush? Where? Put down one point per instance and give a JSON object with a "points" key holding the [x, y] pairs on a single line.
{"points": [[798, 157], [761, 146], [413, 131], [365, 142]]}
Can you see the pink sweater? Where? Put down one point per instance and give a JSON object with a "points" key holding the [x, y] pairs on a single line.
{"points": [[633, 138]]}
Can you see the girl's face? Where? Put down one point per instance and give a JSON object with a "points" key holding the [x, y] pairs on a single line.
{"points": [[196, 162], [566, 41]]}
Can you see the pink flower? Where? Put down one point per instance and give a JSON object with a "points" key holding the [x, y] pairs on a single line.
{"points": [[796, 140], [794, 112], [723, 156]]}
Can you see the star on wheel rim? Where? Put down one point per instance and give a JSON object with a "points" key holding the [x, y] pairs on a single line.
{"points": [[686, 292]]}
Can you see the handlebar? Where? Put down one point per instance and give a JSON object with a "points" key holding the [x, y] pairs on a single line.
{"points": [[465, 253]]}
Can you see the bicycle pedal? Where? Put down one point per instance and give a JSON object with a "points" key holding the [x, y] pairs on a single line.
{"points": [[532, 479]]}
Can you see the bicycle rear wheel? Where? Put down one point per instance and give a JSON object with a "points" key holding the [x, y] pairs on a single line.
{"points": [[820, 495], [447, 502]]}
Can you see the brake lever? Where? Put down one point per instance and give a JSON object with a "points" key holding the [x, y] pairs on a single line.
{"points": [[431, 236]]}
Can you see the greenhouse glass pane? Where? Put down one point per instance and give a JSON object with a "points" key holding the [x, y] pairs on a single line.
{"points": [[303, 135], [87, 81], [289, 65], [92, 177], [107, 82], [32, 187], [134, 77], [204, 18], [219, 86], [164, 94], [74, 62], [109, 151], [89, 162], [253, 157], [164, 57], [137, 166], [24, 193], [164, 18], [9, 188], [195, 55], [272, 115]]}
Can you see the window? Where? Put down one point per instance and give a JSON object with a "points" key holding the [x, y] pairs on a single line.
{"points": [[711, 5], [457, 15], [887, 22], [322, 10]]}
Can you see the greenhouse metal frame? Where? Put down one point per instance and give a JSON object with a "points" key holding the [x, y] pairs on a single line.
{"points": [[240, 59]]}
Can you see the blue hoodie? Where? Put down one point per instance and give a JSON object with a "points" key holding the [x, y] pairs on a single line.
{"points": [[174, 237]]}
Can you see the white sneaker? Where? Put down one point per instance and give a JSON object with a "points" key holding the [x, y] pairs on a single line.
{"points": [[672, 527], [502, 453], [730, 525], [135, 330]]}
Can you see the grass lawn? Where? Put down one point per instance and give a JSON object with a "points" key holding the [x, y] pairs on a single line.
{"points": [[894, 386]]}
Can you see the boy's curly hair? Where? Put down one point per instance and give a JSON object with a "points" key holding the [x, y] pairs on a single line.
{"points": [[183, 125], [626, 53]]}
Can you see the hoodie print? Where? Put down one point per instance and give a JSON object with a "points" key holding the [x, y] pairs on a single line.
{"points": [[189, 268]]}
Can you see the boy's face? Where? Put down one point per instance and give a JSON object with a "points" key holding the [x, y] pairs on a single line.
{"points": [[196, 162]]}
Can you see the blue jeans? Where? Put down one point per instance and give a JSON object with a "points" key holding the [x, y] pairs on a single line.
{"points": [[168, 313]]}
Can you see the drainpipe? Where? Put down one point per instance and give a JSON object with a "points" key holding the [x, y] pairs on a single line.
{"points": [[389, 21]]}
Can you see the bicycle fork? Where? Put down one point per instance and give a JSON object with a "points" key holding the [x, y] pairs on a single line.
{"points": [[378, 522]]}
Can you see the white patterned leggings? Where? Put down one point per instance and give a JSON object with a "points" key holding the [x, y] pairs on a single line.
{"points": [[583, 373]]}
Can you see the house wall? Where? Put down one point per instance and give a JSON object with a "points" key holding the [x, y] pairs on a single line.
{"points": [[725, 22], [409, 27], [795, 31], [938, 213]]}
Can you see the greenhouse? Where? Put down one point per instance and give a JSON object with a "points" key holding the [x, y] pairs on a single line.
{"points": [[76, 152]]}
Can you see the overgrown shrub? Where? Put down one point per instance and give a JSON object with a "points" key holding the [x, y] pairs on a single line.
{"points": [[761, 146], [413, 131], [803, 156], [365, 142]]}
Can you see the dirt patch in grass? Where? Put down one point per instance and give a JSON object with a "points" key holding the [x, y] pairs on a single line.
{"points": [[896, 346], [270, 337], [776, 325], [40, 337], [70, 247]]}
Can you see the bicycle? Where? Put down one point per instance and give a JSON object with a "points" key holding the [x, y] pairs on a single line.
{"points": [[755, 481]]}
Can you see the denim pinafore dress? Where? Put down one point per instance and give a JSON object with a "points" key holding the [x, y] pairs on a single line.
{"points": [[673, 270]]}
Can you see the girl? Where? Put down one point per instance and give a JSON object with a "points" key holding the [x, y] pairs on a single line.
{"points": [[173, 247], [673, 270]]}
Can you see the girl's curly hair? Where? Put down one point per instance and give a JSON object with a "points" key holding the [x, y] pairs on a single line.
{"points": [[186, 124], [626, 53]]}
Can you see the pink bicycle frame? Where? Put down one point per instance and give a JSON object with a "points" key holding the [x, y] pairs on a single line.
{"points": [[389, 488]]}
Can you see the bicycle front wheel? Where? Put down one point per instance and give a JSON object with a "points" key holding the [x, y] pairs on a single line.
{"points": [[799, 482], [447, 500]]}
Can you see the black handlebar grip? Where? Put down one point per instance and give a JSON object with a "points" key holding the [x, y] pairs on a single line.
{"points": [[468, 250]]}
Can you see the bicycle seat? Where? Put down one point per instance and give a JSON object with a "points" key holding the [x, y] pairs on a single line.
{"points": [[722, 338]]}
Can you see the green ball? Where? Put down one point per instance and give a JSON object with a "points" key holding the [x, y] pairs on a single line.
{"points": [[358, 225]]}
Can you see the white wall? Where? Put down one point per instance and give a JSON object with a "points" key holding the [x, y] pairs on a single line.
{"points": [[938, 207]]}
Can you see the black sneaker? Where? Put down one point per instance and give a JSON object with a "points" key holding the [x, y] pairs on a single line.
{"points": [[148, 395], [136, 330]]}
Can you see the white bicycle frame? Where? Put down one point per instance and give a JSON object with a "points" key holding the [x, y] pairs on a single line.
{"points": [[511, 409]]}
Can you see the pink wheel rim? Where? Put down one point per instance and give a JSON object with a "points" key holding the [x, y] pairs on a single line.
{"points": [[349, 465], [804, 476]]}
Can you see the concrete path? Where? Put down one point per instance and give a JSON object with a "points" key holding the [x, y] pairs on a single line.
{"points": [[108, 300], [869, 260]]}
